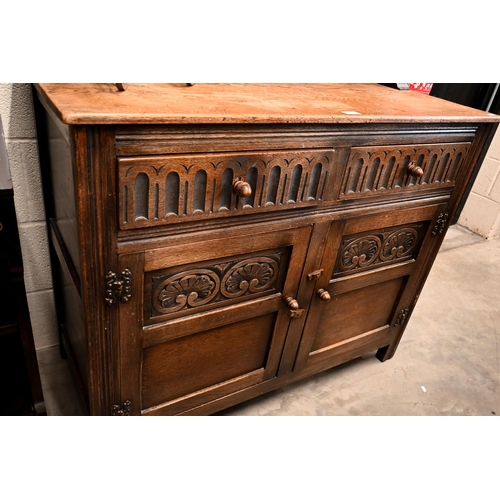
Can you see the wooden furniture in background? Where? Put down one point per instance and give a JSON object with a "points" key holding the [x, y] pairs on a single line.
{"points": [[215, 242], [20, 384]]}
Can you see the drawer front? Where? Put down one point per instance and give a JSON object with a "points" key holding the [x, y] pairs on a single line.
{"points": [[387, 169], [160, 190]]}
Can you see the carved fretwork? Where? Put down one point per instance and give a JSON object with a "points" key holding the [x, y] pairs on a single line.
{"points": [[440, 224], [122, 411], [118, 289], [215, 283], [358, 253], [373, 170], [176, 188], [402, 316]]}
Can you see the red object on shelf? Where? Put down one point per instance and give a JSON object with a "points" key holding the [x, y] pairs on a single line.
{"points": [[423, 88]]}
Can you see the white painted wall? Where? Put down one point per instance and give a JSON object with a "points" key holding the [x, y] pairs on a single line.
{"points": [[16, 111]]}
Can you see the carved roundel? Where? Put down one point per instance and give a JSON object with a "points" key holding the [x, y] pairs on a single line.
{"points": [[370, 250], [187, 289], [399, 244], [360, 253], [250, 275]]}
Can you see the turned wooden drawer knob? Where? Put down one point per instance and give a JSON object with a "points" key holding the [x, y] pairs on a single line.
{"points": [[323, 295], [242, 189], [415, 170]]}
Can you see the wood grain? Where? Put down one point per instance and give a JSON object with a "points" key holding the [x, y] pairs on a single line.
{"points": [[207, 324], [249, 103], [189, 364]]}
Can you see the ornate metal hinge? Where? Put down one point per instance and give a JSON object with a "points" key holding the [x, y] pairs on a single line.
{"points": [[122, 411], [403, 314], [118, 288], [440, 224]]}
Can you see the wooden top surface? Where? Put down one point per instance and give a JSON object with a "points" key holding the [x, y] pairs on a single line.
{"points": [[250, 103]]}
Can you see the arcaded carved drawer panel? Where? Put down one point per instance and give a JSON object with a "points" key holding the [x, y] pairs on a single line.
{"points": [[375, 170], [176, 188]]}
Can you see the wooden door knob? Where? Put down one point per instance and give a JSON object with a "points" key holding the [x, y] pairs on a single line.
{"points": [[323, 295], [291, 303], [242, 189], [415, 170], [293, 306]]}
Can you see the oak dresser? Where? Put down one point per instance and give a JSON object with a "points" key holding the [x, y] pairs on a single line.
{"points": [[214, 242]]}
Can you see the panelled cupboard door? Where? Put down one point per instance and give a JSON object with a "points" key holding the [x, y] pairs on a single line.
{"points": [[370, 263], [207, 319]]}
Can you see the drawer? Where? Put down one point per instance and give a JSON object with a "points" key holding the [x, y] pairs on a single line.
{"points": [[161, 190], [377, 170]]}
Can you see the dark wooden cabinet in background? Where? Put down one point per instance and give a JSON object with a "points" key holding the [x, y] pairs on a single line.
{"points": [[215, 242], [20, 384]]}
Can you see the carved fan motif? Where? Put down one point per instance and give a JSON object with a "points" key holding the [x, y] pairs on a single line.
{"points": [[253, 275], [214, 283], [399, 244], [375, 249], [361, 252], [193, 288]]}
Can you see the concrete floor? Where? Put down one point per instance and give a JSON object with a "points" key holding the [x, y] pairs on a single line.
{"points": [[446, 364]]}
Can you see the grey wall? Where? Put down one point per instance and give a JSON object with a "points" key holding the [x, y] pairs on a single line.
{"points": [[16, 111]]}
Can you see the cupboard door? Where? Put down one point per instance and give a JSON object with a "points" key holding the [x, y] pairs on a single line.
{"points": [[371, 270], [208, 319]]}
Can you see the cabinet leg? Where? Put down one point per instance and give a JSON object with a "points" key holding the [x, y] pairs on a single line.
{"points": [[387, 352], [383, 353]]}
